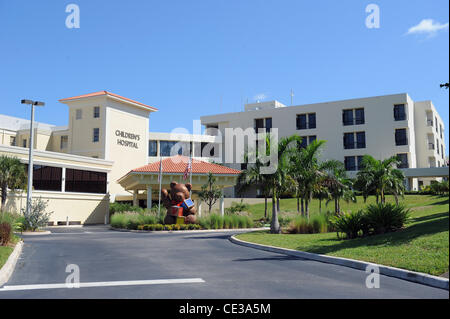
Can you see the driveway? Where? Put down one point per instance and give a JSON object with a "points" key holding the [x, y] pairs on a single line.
{"points": [[214, 267]]}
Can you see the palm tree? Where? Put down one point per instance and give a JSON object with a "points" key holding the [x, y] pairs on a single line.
{"points": [[277, 180], [250, 177], [309, 173], [338, 184], [380, 176], [321, 192], [12, 176]]}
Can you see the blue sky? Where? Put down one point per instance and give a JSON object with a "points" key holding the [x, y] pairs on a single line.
{"points": [[194, 58]]}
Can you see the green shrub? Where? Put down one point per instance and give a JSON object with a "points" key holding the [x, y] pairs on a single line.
{"points": [[131, 220], [237, 208], [284, 220], [215, 221], [382, 218], [351, 224], [318, 223], [37, 216], [118, 220], [118, 207]]}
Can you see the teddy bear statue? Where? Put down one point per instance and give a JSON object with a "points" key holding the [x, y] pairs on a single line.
{"points": [[180, 207]]}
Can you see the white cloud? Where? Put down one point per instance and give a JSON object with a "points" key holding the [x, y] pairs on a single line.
{"points": [[260, 97], [427, 26]]}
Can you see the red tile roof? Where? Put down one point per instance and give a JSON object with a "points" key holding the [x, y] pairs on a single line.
{"points": [[178, 164], [99, 93]]}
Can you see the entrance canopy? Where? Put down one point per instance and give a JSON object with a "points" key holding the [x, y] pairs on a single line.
{"points": [[173, 169]]}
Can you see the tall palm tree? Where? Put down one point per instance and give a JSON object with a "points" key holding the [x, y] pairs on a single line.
{"points": [[380, 176], [309, 173], [338, 184], [12, 176], [277, 180], [250, 177]]}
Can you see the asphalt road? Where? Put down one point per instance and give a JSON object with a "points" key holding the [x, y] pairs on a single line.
{"points": [[227, 270]]}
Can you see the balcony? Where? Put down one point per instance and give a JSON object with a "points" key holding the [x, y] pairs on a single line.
{"points": [[431, 146], [429, 122]]}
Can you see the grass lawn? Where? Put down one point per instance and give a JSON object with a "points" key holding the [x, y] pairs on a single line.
{"points": [[5, 251], [422, 246]]}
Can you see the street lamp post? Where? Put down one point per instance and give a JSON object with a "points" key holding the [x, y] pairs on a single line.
{"points": [[30, 156]]}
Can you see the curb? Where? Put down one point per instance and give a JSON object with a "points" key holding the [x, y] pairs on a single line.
{"points": [[188, 231], [417, 277], [8, 268], [29, 233]]}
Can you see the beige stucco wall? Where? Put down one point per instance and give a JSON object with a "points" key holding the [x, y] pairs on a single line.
{"points": [[122, 118], [85, 208]]}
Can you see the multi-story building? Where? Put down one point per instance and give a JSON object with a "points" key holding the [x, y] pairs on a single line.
{"points": [[77, 167], [380, 126], [106, 152]]}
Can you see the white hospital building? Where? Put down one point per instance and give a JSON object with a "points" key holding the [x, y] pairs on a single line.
{"points": [[106, 152]]}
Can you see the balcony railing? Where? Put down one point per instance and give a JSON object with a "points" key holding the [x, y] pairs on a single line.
{"points": [[430, 122], [431, 146]]}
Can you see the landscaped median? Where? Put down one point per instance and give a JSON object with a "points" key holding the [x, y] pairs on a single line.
{"points": [[421, 246], [147, 221]]}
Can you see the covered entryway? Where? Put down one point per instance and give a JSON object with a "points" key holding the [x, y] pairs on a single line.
{"points": [[144, 181]]}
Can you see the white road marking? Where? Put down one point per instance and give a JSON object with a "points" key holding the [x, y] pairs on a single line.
{"points": [[104, 284]]}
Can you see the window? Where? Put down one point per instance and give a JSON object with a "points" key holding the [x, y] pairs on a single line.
{"points": [[403, 160], [209, 149], [442, 131], [442, 151], [78, 114], [24, 142], [350, 163], [306, 121], [360, 139], [401, 137], [353, 117], [359, 160], [166, 147], [349, 140], [152, 148], [12, 140], [353, 163], [268, 124], [347, 117], [301, 122], [259, 123], [359, 116], [96, 135], [312, 120], [435, 120], [47, 178], [399, 112], [263, 123], [96, 111], [437, 146], [64, 141], [306, 140], [81, 181]]}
